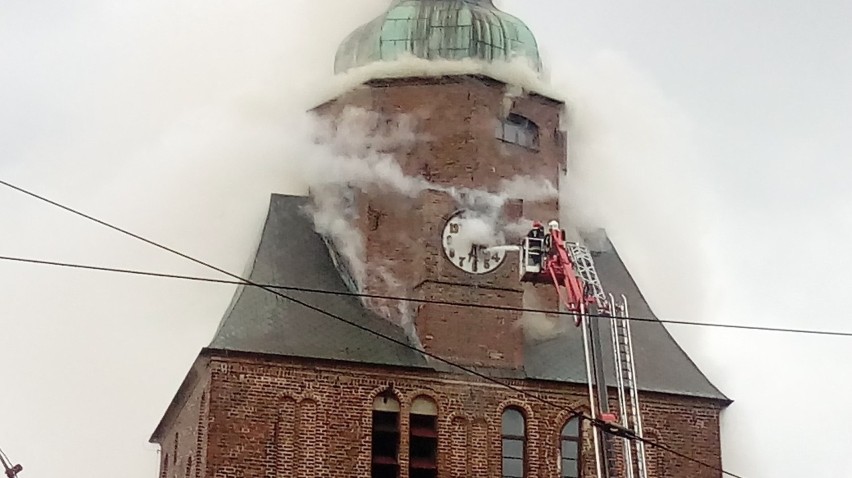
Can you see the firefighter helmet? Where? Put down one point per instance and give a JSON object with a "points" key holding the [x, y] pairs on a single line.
{"points": [[553, 225]]}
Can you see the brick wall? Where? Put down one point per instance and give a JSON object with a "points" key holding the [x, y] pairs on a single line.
{"points": [[455, 120], [255, 417], [292, 418], [183, 437]]}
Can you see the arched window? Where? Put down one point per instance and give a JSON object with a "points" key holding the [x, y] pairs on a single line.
{"points": [[385, 462], [518, 130], [514, 444], [569, 454], [423, 444]]}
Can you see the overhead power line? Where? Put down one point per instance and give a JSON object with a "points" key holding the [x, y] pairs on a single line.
{"points": [[834, 333], [606, 427]]}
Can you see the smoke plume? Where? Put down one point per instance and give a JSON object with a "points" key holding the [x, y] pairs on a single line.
{"points": [[352, 154], [177, 120]]}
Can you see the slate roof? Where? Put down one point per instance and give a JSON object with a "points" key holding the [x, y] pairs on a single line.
{"points": [[291, 253]]}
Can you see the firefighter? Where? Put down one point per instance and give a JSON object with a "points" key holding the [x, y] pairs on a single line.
{"points": [[537, 232], [548, 238], [535, 244]]}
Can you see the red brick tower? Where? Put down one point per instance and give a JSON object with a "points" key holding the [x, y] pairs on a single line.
{"points": [[476, 133], [341, 389]]}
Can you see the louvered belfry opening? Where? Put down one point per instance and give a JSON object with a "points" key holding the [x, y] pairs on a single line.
{"points": [[423, 439], [385, 449]]}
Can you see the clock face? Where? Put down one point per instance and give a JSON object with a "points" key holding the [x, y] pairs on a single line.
{"points": [[462, 250]]}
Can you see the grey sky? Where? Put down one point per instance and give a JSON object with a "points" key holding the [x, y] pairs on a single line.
{"points": [[728, 153]]}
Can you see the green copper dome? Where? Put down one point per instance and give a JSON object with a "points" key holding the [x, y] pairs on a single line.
{"points": [[439, 29]]}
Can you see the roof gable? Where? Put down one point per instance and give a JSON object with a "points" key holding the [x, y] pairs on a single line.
{"points": [[291, 253]]}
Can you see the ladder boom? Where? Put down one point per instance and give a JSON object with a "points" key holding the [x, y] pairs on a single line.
{"points": [[570, 266]]}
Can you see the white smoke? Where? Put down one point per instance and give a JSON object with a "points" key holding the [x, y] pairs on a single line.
{"points": [[352, 153], [400, 311], [541, 325], [477, 230], [632, 172], [350, 150], [333, 214], [175, 120], [346, 157], [518, 229], [517, 72], [484, 210], [528, 189]]}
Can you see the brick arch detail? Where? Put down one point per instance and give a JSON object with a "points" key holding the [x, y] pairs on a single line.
{"points": [[283, 396], [459, 414], [385, 388], [529, 414], [421, 392], [580, 407], [310, 396], [563, 417]]}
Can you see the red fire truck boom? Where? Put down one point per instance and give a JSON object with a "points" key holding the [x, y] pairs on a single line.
{"points": [[570, 268]]}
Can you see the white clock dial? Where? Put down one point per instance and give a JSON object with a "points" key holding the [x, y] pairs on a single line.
{"points": [[462, 250]]}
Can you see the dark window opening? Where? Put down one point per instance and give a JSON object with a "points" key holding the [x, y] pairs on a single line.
{"points": [[514, 444], [518, 130], [422, 473], [385, 455], [569, 453], [423, 442]]}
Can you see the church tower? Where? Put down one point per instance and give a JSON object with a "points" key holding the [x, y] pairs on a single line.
{"points": [[475, 134], [338, 379]]}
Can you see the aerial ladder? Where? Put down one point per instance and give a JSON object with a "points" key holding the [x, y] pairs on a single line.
{"points": [[547, 258]]}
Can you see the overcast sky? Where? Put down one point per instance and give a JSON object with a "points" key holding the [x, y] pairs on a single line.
{"points": [[711, 145]]}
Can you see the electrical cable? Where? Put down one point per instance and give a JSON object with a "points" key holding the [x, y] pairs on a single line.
{"points": [[292, 299], [309, 290], [574, 412]]}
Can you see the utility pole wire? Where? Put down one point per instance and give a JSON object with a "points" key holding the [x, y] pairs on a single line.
{"points": [[606, 427], [833, 333]]}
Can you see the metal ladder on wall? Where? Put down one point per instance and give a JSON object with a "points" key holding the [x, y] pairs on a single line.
{"points": [[628, 395], [625, 368]]}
